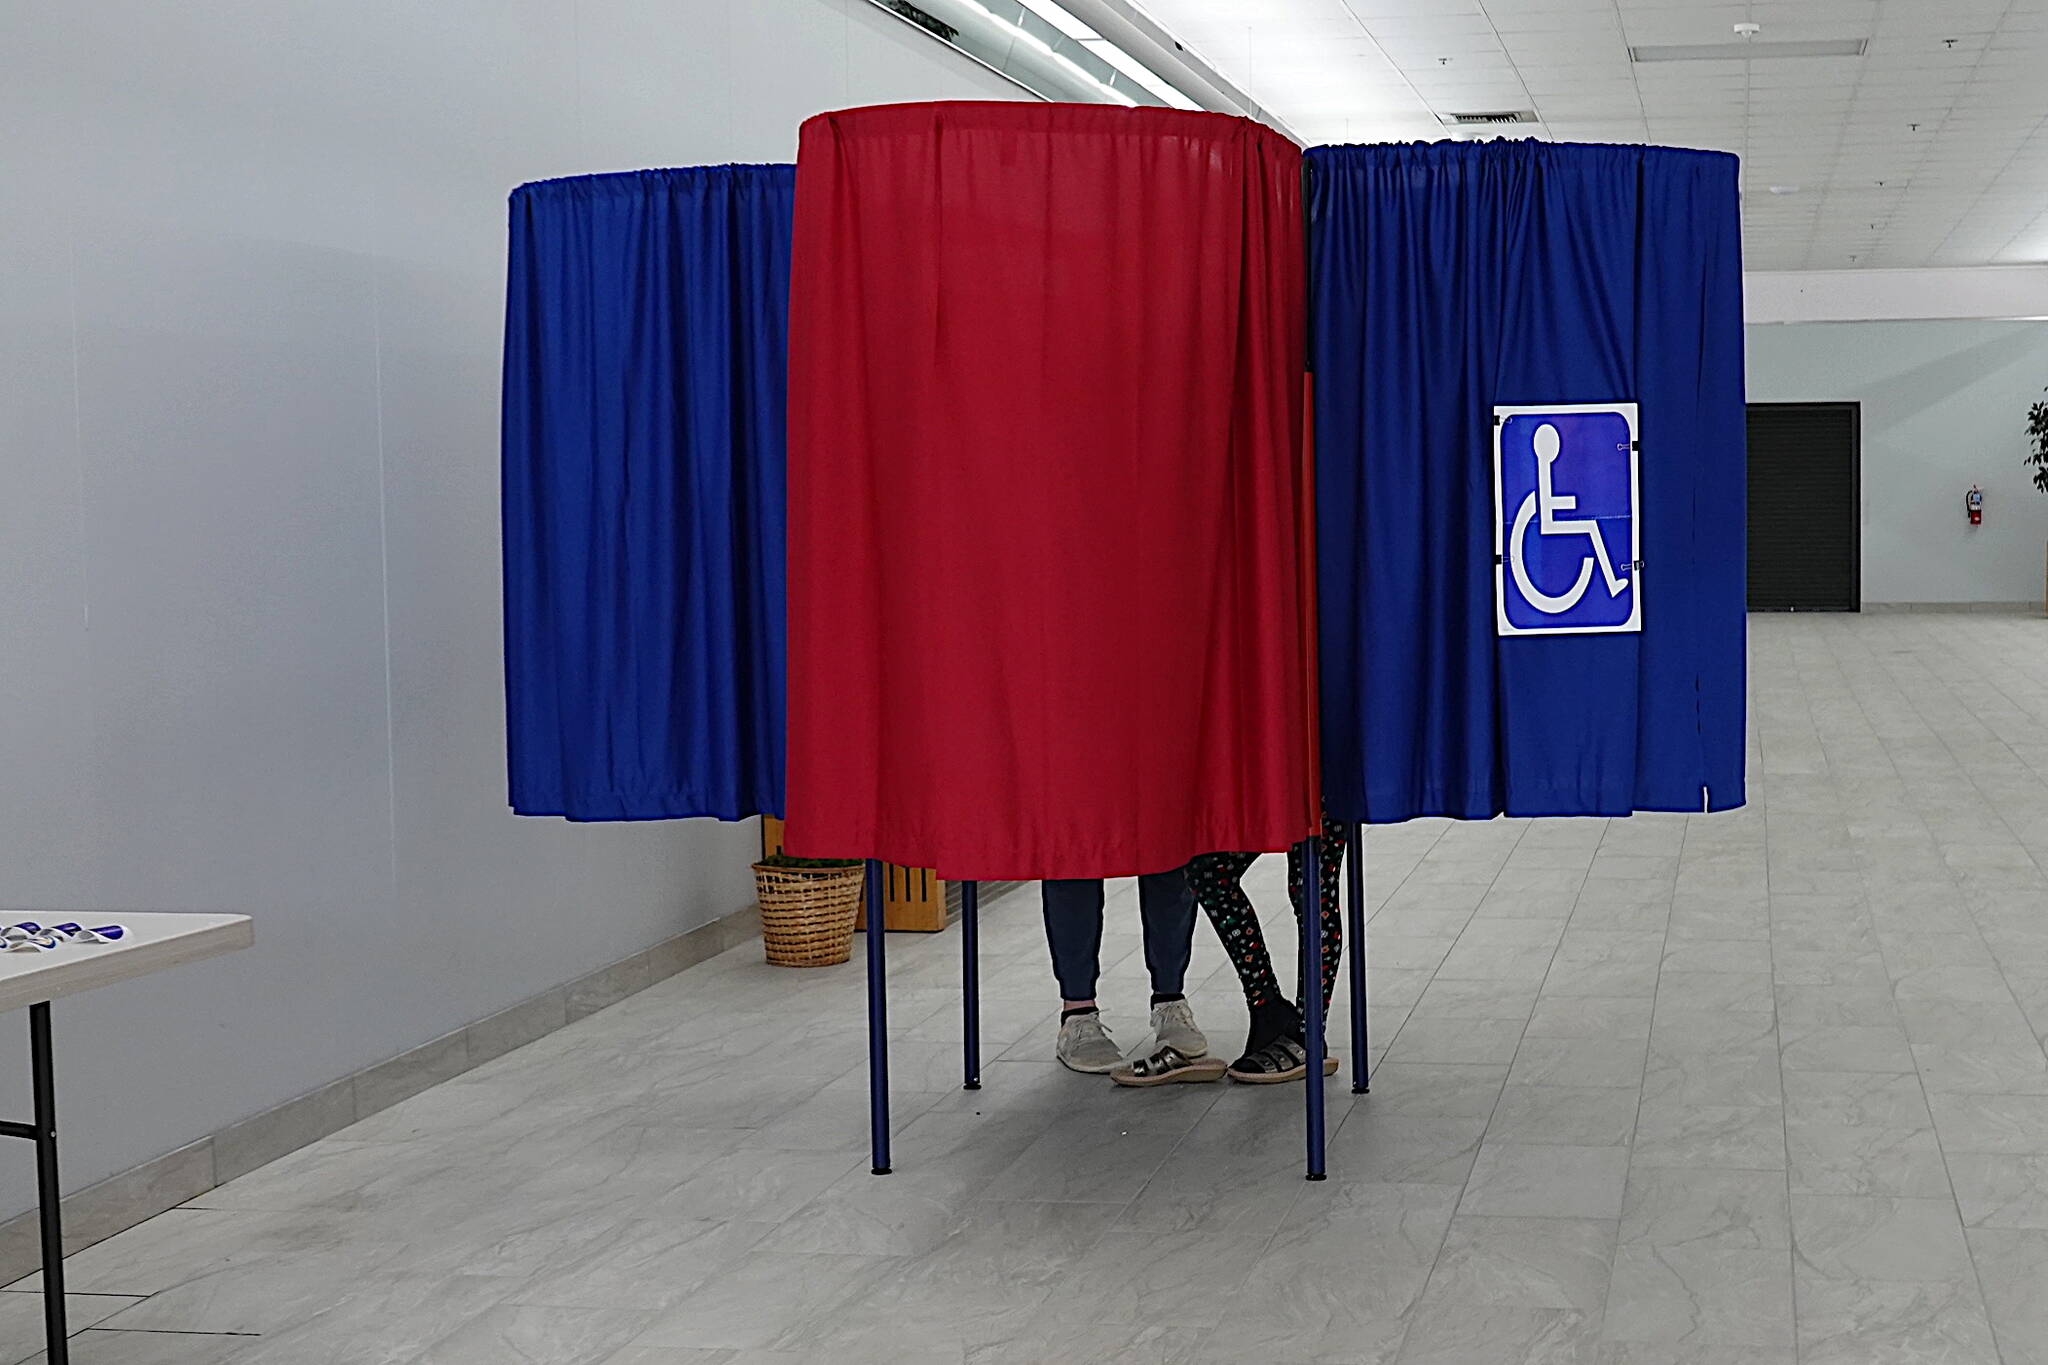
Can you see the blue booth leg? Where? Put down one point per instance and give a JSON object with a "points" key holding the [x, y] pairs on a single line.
{"points": [[1312, 998], [1361, 1078], [970, 983], [878, 1022]]}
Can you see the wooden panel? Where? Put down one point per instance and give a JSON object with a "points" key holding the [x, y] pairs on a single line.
{"points": [[914, 896]]}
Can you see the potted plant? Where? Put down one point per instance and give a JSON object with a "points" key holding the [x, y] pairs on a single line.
{"points": [[2037, 432], [808, 906]]}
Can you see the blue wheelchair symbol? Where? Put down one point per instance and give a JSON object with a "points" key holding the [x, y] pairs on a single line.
{"points": [[1567, 535]]}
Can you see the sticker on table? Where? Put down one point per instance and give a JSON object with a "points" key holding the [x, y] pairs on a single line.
{"points": [[1567, 525]]}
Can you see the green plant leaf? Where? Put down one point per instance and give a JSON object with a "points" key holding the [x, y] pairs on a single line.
{"points": [[818, 864]]}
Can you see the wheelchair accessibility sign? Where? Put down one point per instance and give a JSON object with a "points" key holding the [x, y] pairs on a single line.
{"points": [[1567, 529]]}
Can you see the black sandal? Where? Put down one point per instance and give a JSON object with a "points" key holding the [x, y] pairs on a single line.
{"points": [[1168, 1066], [1282, 1060]]}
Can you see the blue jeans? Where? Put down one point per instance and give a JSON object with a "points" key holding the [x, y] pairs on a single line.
{"points": [[1073, 930]]}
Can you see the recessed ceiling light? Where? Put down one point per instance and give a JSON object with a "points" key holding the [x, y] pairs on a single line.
{"points": [[1748, 51], [1786, 189]]}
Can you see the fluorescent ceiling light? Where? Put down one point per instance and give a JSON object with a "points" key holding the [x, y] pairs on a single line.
{"points": [[1137, 71], [1074, 68], [1744, 52], [1070, 59], [1055, 14], [1115, 94], [1103, 50]]}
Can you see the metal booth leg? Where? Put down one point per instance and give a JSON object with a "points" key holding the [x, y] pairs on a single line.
{"points": [[970, 984], [878, 1021], [1361, 1076], [1312, 997]]}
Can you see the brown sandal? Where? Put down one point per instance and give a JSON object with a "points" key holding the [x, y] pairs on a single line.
{"points": [[1168, 1066], [1280, 1061]]}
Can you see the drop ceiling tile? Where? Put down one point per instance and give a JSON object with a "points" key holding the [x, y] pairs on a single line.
{"points": [[1964, 187]]}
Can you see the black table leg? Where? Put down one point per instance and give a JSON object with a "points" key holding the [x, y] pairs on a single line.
{"points": [[48, 1195]]}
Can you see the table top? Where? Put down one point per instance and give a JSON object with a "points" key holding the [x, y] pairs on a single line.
{"points": [[155, 940]]}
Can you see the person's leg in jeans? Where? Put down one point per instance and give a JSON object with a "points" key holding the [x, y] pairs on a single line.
{"points": [[1166, 906], [1073, 932], [1167, 909]]}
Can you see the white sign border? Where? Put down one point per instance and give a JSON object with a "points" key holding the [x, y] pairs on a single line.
{"points": [[1503, 628]]}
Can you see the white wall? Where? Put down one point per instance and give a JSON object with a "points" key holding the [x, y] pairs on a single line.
{"points": [[251, 291], [1944, 406]]}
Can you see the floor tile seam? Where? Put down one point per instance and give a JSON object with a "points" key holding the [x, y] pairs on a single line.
{"points": [[1778, 1036], [1607, 1299], [1409, 1017], [1926, 1099], [1436, 1259], [1959, 767]]}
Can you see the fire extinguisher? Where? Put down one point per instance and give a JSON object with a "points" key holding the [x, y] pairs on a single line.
{"points": [[1973, 501]]}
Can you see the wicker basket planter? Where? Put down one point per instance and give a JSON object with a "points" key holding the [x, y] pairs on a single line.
{"points": [[807, 913]]}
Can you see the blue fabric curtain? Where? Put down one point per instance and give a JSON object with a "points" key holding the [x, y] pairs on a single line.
{"points": [[1447, 280], [646, 362]]}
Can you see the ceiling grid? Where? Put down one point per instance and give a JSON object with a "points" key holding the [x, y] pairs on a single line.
{"points": [[1834, 135]]}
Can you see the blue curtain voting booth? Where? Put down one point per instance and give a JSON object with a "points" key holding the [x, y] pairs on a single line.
{"points": [[1530, 453], [646, 363]]}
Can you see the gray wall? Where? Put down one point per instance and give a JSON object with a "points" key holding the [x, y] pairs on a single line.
{"points": [[251, 290], [1944, 406]]}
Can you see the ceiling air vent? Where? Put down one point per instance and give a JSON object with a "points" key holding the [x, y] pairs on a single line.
{"points": [[1488, 118], [935, 26]]}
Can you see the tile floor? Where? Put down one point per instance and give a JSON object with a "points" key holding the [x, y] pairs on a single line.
{"points": [[1679, 1090]]}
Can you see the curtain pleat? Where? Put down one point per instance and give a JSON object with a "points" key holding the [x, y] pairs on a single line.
{"points": [[1454, 278], [1049, 531], [645, 383]]}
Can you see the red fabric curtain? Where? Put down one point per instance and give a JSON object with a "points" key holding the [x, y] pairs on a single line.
{"points": [[1050, 568]]}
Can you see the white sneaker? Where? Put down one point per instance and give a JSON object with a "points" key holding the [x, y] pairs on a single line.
{"points": [[1085, 1045], [1173, 1024]]}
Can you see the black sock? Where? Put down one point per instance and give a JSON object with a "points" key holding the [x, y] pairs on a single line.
{"points": [[1301, 1021], [1067, 1014], [1271, 1021], [1164, 997]]}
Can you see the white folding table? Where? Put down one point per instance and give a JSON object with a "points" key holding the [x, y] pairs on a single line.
{"points": [[153, 941]]}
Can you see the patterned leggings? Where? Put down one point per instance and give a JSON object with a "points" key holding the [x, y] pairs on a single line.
{"points": [[1217, 882]]}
